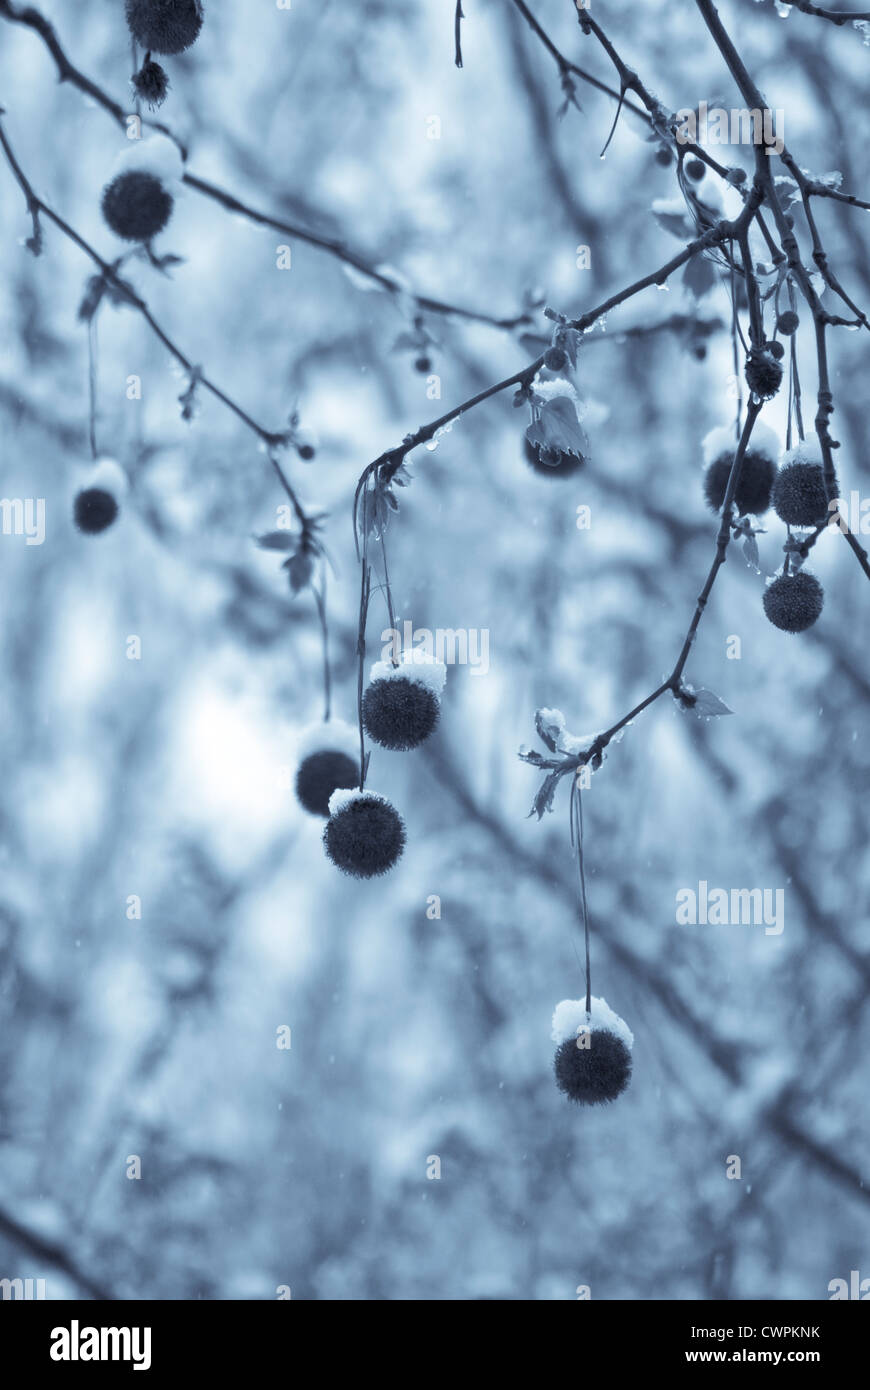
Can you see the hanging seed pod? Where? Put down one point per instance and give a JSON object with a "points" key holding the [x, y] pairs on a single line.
{"points": [[164, 26], [593, 1059], [96, 501], [793, 602], [402, 704], [365, 835], [328, 762]]}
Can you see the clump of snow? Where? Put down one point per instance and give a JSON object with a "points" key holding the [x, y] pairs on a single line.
{"points": [[105, 473], [571, 1015], [549, 390], [157, 155], [722, 440], [569, 744], [416, 665], [572, 745], [807, 450], [332, 735], [342, 797]]}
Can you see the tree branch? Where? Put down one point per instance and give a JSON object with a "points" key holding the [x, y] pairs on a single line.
{"points": [[68, 72]]}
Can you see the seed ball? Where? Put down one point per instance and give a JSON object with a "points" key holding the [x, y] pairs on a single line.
{"points": [[696, 169], [776, 350], [365, 837], [736, 176], [793, 602], [151, 83], [164, 26], [663, 156], [753, 490], [552, 462], [799, 496], [423, 365], [555, 358], [763, 374], [306, 452], [94, 510], [597, 1071], [136, 205], [399, 713], [321, 774], [787, 323]]}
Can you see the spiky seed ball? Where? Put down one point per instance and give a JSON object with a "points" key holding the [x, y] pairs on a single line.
{"points": [[151, 83], [696, 169], [788, 323], [322, 773], [663, 156], [776, 350], [793, 602], [763, 374], [164, 26], [555, 358], [552, 462], [593, 1069], [399, 713], [136, 205], [94, 510], [365, 837], [753, 490], [799, 496]]}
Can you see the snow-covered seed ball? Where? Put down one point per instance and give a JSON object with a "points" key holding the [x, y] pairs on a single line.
{"points": [[763, 374], [793, 602], [799, 496], [164, 26], [94, 510], [136, 205], [322, 773], [151, 83], [365, 837], [787, 323], [594, 1068], [553, 462], [753, 490], [400, 713]]}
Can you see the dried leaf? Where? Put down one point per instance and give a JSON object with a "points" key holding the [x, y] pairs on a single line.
{"points": [[699, 276], [557, 428], [544, 798], [300, 569], [277, 540], [704, 703], [548, 730]]}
